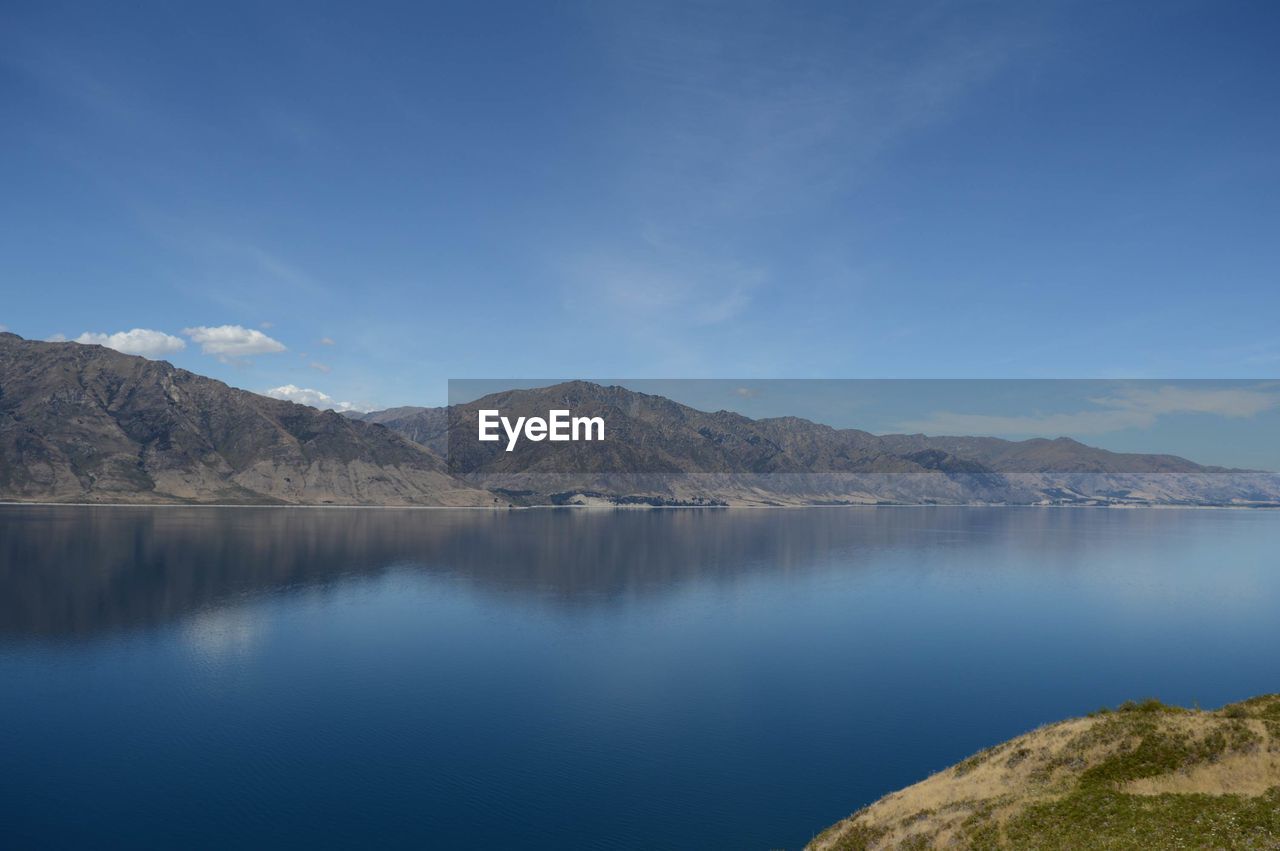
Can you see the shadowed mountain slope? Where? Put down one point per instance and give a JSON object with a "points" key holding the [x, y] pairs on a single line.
{"points": [[426, 426]]}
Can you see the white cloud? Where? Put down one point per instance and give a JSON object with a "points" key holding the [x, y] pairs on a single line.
{"points": [[321, 367], [309, 396], [326, 341], [139, 341], [231, 342], [1129, 407]]}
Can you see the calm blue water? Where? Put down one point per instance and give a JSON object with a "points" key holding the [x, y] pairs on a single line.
{"points": [[737, 679]]}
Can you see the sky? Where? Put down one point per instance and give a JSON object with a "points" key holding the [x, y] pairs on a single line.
{"points": [[350, 204]]}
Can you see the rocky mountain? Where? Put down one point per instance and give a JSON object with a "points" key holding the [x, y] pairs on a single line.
{"points": [[661, 451], [426, 426], [87, 423]]}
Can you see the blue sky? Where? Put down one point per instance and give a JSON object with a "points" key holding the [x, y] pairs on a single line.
{"points": [[368, 199]]}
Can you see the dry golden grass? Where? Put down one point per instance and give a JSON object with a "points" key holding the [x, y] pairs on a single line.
{"points": [[1132, 778]]}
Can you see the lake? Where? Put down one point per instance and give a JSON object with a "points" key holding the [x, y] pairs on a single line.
{"points": [[738, 679]]}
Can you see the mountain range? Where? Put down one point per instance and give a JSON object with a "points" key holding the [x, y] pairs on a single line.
{"points": [[663, 452], [84, 423]]}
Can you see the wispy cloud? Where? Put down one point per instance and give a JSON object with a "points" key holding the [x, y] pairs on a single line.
{"points": [[1258, 353], [241, 275], [1171, 399], [667, 286], [760, 107], [747, 117], [1128, 408], [139, 341], [233, 342], [64, 73]]}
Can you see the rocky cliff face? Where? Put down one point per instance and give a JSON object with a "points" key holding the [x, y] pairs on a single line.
{"points": [[86, 423]]}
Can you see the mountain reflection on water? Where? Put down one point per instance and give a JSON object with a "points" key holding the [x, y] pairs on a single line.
{"points": [[77, 571]]}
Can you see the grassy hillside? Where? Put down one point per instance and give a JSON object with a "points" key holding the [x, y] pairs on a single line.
{"points": [[1144, 776]]}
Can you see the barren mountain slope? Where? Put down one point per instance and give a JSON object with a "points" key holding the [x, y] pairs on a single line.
{"points": [[86, 423]]}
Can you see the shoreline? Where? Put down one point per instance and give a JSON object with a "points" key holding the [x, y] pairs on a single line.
{"points": [[1153, 506]]}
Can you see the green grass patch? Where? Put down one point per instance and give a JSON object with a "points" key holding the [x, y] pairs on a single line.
{"points": [[1100, 818], [1076, 799]]}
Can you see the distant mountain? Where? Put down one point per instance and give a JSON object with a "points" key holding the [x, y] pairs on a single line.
{"points": [[86, 423], [661, 451], [426, 426], [654, 434]]}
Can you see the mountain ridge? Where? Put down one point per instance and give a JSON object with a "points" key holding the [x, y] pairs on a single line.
{"points": [[669, 453], [430, 425], [87, 423]]}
